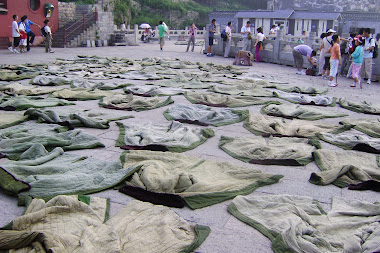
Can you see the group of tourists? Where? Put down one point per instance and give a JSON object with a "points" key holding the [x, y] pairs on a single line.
{"points": [[23, 36], [359, 49]]}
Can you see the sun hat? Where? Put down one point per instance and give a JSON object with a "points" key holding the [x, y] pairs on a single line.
{"points": [[331, 31]]}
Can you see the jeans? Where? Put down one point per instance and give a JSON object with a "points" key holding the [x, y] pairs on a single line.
{"points": [[191, 40], [228, 46], [30, 39]]}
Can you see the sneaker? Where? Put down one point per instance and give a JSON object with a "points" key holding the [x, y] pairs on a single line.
{"points": [[15, 51], [10, 49], [332, 84], [369, 81], [51, 52], [299, 72], [353, 84]]}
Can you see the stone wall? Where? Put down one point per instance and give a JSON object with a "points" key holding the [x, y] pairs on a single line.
{"points": [[66, 13]]}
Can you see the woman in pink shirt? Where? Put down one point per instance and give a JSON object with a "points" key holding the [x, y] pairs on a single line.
{"points": [[335, 60], [192, 34]]}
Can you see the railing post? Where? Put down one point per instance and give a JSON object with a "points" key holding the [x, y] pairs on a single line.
{"points": [[64, 37], [83, 23]]}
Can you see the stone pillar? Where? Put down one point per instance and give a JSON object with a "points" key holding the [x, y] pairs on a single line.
{"points": [[280, 34], [136, 32], [311, 39]]}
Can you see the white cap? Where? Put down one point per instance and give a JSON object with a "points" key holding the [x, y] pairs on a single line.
{"points": [[331, 31]]}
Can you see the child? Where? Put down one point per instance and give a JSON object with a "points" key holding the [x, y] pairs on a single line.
{"points": [[23, 35], [335, 60], [49, 37], [357, 59]]}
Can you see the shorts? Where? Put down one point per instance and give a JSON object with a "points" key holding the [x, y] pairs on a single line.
{"points": [[334, 64], [23, 42], [210, 41], [16, 41], [162, 42], [327, 63], [355, 69]]}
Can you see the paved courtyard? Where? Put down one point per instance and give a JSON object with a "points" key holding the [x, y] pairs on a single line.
{"points": [[228, 234]]}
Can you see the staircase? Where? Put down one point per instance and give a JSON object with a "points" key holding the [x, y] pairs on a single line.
{"points": [[85, 22]]}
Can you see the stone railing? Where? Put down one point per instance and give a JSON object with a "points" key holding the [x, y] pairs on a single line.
{"points": [[277, 49]]}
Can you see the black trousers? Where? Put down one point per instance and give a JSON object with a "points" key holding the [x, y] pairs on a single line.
{"points": [[30, 39]]}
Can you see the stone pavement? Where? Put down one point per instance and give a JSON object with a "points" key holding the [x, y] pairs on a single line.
{"points": [[227, 233]]}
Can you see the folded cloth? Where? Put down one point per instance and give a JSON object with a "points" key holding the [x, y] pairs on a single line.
{"points": [[15, 140], [200, 182], [50, 80], [352, 140], [136, 75], [274, 150], [362, 107], [82, 94], [151, 91], [302, 99], [299, 224], [42, 174], [101, 85], [219, 100], [8, 119], [66, 224], [243, 89], [19, 89], [370, 127], [266, 125], [298, 89], [344, 167], [20, 103], [16, 75], [204, 115], [130, 102], [299, 111], [72, 120], [174, 137]]}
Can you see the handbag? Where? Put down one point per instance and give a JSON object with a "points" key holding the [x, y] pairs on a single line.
{"points": [[249, 37]]}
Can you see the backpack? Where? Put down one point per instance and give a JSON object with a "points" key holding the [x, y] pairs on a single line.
{"points": [[223, 35], [43, 32], [244, 58], [375, 49]]}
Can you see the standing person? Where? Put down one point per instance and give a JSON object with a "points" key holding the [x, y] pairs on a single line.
{"points": [[15, 35], [321, 56], [357, 60], [228, 31], [23, 36], [161, 34], [49, 37], [335, 61], [247, 35], [369, 45], [192, 34], [260, 37], [29, 33], [299, 52], [211, 32], [327, 43], [345, 50]]}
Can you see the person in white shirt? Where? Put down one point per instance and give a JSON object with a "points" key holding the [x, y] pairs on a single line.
{"points": [[49, 37], [228, 41], [246, 32], [369, 45], [260, 37], [15, 35]]}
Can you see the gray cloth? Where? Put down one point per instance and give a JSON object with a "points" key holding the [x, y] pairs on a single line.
{"points": [[82, 94], [131, 102], [15, 140], [20, 103], [8, 119], [344, 167], [174, 136], [265, 125], [19, 89], [136, 75], [299, 224], [49, 80], [204, 115], [88, 84], [219, 100], [302, 99], [362, 107], [274, 150], [54, 173], [151, 91], [243, 89], [200, 182], [369, 126], [300, 112], [298, 89]]}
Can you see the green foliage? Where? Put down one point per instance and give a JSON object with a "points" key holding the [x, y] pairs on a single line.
{"points": [[79, 2], [123, 11]]}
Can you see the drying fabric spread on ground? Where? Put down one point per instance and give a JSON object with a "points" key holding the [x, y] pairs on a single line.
{"points": [[369, 126], [204, 115], [300, 111], [219, 100], [363, 107], [274, 150], [299, 224], [19, 89], [82, 94], [131, 102], [302, 99], [69, 225], [267, 125], [20, 103], [49, 80], [8, 119], [344, 167], [298, 89], [200, 182], [243, 89], [151, 91], [173, 136]]}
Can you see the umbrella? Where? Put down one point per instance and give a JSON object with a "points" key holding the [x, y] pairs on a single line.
{"points": [[144, 25]]}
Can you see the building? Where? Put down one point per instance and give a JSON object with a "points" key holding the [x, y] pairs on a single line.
{"points": [[352, 21], [36, 10]]}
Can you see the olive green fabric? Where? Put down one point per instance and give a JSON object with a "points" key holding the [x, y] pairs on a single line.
{"points": [[300, 111], [81, 94], [273, 150], [20, 103], [299, 89], [352, 140], [362, 107], [19, 89], [101, 85], [151, 91], [219, 100], [8, 119], [299, 224], [131, 102], [243, 89], [369, 126], [344, 167], [65, 224], [49, 80], [303, 99], [200, 182]]}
